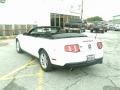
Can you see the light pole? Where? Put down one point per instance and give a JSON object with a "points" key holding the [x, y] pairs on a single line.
{"points": [[82, 10]]}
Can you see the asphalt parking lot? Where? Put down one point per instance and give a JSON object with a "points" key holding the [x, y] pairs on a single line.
{"points": [[23, 72]]}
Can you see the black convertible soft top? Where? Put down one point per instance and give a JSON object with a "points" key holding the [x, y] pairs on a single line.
{"points": [[67, 35]]}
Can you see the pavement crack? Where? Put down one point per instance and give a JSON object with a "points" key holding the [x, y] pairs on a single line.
{"points": [[25, 67], [112, 82], [85, 72], [71, 85], [93, 74], [13, 86], [104, 77], [77, 79], [16, 71], [112, 67], [14, 74]]}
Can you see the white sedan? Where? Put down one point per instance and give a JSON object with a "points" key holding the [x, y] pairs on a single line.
{"points": [[54, 47]]}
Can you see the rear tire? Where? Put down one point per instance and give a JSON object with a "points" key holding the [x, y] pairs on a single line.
{"points": [[105, 30], [102, 31], [45, 61], [91, 31], [18, 47]]}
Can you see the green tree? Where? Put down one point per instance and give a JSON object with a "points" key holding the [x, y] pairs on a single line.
{"points": [[95, 18]]}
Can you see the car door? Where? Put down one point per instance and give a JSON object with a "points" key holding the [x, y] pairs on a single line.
{"points": [[27, 41], [33, 41]]}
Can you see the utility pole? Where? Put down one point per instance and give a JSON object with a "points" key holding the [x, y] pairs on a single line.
{"points": [[81, 10], [3, 26]]}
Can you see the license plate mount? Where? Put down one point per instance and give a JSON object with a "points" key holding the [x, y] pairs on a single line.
{"points": [[90, 57]]}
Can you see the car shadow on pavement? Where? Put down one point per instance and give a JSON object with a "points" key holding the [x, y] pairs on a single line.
{"points": [[111, 88]]}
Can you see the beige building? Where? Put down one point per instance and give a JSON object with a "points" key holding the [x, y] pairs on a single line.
{"points": [[116, 19]]}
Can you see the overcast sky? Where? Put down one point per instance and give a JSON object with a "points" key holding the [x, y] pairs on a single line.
{"points": [[104, 8], [29, 10]]}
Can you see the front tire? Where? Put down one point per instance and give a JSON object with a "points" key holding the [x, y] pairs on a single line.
{"points": [[45, 61], [18, 47]]}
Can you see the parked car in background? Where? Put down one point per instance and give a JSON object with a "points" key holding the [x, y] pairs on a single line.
{"points": [[111, 27], [98, 26], [117, 27], [75, 25], [54, 47]]}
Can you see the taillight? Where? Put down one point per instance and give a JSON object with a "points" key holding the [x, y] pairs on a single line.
{"points": [[72, 48], [99, 45]]}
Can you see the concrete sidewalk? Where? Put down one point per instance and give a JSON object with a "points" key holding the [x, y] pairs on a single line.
{"points": [[7, 37]]}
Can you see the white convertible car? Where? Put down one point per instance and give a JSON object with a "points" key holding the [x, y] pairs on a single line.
{"points": [[54, 47]]}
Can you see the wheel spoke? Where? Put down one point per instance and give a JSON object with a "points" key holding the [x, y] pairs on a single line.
{"points": [[43, 60]]}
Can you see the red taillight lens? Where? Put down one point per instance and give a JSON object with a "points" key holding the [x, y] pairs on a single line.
{"points": [[99, 45], [72, 48]]}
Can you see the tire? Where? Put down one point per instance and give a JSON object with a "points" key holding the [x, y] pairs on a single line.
{"points": [[105, 30], [102, 31], [18, 47], [91, 31], [45, 61]]}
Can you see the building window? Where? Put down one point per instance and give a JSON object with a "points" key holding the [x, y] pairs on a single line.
{"points": [[57, 20], [52, 19], [61, 19]]}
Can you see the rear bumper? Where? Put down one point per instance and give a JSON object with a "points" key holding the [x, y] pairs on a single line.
{"points": [[85, 63]]}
